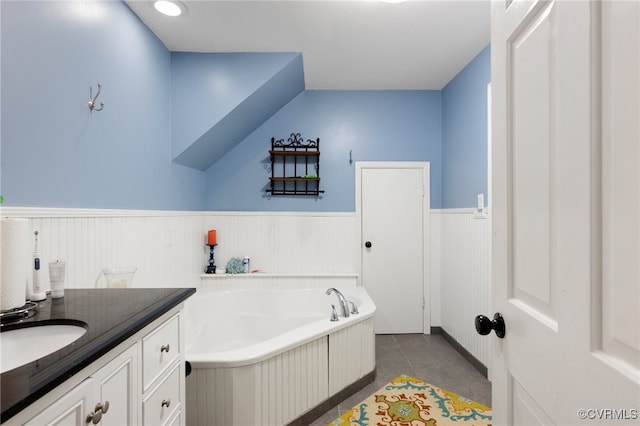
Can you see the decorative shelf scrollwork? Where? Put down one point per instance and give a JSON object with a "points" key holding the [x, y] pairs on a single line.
{"points": [[295, 166], [295, 141]]}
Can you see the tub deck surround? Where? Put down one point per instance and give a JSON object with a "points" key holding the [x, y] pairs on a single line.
{"points": [[264, 356], [279, 280], [246, 326], [112, 316]]}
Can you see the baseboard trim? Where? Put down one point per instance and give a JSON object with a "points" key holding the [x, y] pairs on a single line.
{"points": [[465, 353], [316, 412]]}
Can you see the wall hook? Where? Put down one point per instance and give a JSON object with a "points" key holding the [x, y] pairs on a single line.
{"points": [[92, 102], [350, 158]]}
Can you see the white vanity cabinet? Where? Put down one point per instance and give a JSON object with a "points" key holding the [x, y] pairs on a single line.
{"points": [[70, 409], [163, 374], [140, 382], [118, 391], [107, 397]]}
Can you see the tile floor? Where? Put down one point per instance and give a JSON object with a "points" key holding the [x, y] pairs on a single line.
{"points": [[426, 357]]}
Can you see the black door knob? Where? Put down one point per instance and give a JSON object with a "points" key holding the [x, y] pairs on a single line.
{"points": [[367, 244], [484, 325]]}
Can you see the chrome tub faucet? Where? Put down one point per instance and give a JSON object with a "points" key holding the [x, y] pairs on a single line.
{"points": [[344, 306]]}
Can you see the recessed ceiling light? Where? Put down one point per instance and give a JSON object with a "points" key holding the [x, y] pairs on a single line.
{"points": [[169, 8]]}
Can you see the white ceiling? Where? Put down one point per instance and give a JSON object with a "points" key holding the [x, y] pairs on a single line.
{"points": [[364, 44]]}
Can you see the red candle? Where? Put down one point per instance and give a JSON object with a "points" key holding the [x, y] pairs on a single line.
{"points": [[211, 237]]}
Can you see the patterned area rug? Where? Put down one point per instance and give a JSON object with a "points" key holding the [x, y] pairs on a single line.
{"points": [[406, 401]]}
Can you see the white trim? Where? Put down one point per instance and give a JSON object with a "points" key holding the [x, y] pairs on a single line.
{"points": [[79, 213], [278, 213], [489, 207], [73, 212], [283, 274], [462, 210], [489, 147]]}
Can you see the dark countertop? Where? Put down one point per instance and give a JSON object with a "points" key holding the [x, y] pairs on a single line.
{"points": [[112, 316]]}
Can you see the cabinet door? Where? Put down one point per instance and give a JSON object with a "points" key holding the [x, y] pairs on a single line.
{"points": [[118, 387], [71, 409]]}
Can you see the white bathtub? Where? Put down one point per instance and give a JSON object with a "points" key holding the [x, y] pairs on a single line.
{"points": [[267, 356]]}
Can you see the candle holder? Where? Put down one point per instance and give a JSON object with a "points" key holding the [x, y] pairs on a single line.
{"points": [[211, 269]]}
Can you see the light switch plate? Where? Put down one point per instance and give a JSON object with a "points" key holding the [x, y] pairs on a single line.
{"points": [[479, 211]]}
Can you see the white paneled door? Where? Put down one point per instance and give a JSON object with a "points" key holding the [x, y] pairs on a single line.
{"points": [[393, 201], [566, 211]]}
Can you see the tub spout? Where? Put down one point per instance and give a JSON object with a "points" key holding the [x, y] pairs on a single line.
{"points": [[344, 306]]}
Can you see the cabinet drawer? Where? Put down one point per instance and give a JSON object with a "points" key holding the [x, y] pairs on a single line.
{"points": [[160, 349], [159, 406]]}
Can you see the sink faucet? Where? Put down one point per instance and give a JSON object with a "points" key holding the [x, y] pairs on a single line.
{"points": [[344, 307]]}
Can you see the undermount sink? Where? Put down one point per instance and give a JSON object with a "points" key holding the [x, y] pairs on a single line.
{"points": [[21, 346]]}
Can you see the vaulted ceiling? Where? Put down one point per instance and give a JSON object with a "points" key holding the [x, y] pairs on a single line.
{"points": [[364, 44]]}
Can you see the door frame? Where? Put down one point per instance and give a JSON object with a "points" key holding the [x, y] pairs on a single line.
{"points": [[426, 226]]}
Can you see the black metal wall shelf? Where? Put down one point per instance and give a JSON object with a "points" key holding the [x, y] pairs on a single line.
{"points": [[295, 166]]}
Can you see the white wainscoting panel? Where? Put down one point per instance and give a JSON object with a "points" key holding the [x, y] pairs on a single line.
{"points": [[168, 248], [286, 242], [271, 392], [435, 279], [163, 248], [465, 275], [351, 355]]}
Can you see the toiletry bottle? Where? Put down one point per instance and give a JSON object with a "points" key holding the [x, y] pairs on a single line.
{"points": [[246, 264], [57, 277], [36, 291]]}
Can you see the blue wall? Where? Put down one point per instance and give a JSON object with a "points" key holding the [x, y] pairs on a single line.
{"points": [[55, 152], [464, 134], [207, 86], [219, 99], [375, 125]]}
